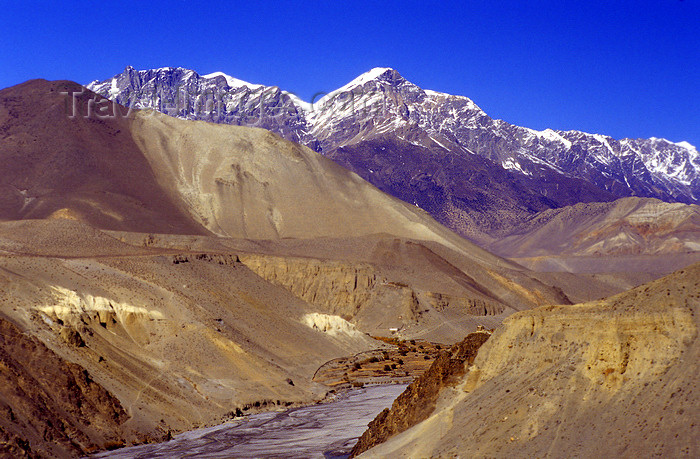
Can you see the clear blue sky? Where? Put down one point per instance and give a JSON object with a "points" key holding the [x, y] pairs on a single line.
{"points": [[626, 68]]}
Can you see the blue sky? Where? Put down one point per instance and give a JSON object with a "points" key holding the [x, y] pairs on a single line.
{"points": [[622, 68]]}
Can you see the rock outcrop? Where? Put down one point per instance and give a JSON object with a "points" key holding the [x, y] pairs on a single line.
{"points": [[419, 399], [371, 296], [51, 407], [334, 286]]}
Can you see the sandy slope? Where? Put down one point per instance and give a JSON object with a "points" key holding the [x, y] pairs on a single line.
{"points": [[250, 183], [616, 377]]}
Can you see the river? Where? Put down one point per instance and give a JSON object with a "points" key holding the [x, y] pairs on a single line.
{"points": [[327, 430]]}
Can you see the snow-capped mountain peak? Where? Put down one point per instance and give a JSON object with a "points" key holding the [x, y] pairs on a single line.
{"points": [[382, 103], [215, 97], [376, 75], [687, 146], [373, 74]]}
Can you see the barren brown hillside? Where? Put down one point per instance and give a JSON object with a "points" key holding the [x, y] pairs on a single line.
{"points": [[613, 378], [630, 235], [87, 168]]}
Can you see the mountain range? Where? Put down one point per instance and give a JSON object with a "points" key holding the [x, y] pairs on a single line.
{"points": [[477, 175], [131, 246], [161, 274]]}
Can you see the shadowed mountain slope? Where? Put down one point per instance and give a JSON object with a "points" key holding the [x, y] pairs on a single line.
{"points": [[470, 194], [88, 169], [50, 407]]}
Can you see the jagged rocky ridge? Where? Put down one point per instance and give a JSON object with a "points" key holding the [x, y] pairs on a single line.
{"points": [[419, 399], [216, 97], [419, 145]]}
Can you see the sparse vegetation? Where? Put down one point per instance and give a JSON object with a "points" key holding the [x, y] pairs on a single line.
{"points": [[380, 363]]}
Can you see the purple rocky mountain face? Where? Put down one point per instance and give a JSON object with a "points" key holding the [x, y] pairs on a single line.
{"points": [[439, 151]]}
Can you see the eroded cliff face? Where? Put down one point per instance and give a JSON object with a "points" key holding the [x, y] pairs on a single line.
{"points": [[617, 377], [339, 288], [419, 399], [365, 293]]}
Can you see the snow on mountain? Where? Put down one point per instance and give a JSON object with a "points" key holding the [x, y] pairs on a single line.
{"points": [[231, 81], [381, 102], [215, 97], [359, 81]]}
